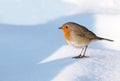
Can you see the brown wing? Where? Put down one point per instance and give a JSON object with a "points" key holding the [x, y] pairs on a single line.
{"points": [[84, 32]]}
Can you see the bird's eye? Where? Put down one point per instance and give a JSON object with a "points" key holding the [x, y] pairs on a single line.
{"points": [[66, 26]]}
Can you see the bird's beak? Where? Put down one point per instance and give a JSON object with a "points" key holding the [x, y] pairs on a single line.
{"points": [[60, 27]]}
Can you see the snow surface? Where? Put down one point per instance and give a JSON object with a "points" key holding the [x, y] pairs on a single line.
{"points": [[60, 53], [102, 65]]}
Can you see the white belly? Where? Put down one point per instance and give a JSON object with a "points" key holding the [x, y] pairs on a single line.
{"points": [[80, 45]]}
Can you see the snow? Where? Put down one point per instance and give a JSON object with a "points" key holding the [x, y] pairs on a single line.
{"points": [[107, 25], [60, 53], [25, 47], [32, 12], [96, 6], [102, 65]]}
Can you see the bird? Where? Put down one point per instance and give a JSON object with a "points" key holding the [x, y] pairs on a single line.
{"points": [[79, 37]]}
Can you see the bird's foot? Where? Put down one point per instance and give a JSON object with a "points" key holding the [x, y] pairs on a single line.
{"points": [[77, 57]]}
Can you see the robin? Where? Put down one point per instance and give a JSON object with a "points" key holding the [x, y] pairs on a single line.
{"points": [[79, 36]]}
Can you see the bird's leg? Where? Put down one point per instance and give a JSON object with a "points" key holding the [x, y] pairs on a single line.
{"points": [[79, 56], [82, 52]]}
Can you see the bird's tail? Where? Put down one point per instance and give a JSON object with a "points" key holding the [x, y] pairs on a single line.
{"points": [[100, 38]]}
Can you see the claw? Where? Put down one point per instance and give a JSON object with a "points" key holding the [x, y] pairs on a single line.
{"points": [[77, 57]]}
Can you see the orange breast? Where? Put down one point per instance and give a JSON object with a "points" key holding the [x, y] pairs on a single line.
{"points": [[67, 34]]}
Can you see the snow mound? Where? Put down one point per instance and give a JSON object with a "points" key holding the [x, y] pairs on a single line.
{"points": [[102, 65]]}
